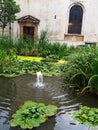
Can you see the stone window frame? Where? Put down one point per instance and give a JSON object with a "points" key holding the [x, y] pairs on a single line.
{"points": [[75, 37]]}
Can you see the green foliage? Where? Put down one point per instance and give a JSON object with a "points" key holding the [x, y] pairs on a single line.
{"points": [[3, 59], [82, 69], [26, 47], [6, 59], [6, 44], [18, 67], [8, 9], [32, 114], [12, 66], [86, 115], [41, 47], [43, 39], [11, 56], [93, 79], [53, 50]]}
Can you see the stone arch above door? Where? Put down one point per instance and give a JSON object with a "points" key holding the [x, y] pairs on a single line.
{"points": [[28, 26]]}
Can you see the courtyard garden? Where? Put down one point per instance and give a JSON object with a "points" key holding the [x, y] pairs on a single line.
{"points": [[46, 85], [76, 66]]}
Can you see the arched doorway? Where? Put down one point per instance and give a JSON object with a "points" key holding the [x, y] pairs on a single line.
{"points": [[75, 20]]}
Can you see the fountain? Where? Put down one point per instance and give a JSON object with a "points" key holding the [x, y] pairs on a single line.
{"points": [[39, 80]]}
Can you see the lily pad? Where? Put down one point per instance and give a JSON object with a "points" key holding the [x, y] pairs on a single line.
{"points": [[86, 115], [32, 114]]}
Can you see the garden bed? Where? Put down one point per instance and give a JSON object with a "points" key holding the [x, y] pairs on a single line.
{"points": [[31, 65]]}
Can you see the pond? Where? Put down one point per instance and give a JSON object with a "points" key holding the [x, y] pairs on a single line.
{"points": [[15, 91]]}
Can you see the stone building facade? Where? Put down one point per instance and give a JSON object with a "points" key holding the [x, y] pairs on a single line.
{"points": [[66, 21]]}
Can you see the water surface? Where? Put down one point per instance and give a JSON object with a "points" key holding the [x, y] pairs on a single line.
{"points": [[15, 91]]}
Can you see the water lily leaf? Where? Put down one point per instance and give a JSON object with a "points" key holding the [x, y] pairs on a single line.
{"points": [[32, 114], [43, 119], [36, 123], [86, 115], [51, 110], [24, 126], [29, 104], [14, 123]]}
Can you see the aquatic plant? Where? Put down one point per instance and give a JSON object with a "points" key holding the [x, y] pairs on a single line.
{"points": [[32, 114], [31, 65], [87, 116]]}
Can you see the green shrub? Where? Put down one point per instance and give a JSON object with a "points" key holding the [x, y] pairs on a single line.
{"points": [[36, 47], [3, 60], [6, 43], [82, 69], [27, 46]]}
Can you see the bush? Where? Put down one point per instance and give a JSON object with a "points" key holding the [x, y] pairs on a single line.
{"points": [[27, 46], [6, 43], [36, 47], [82, 68]]}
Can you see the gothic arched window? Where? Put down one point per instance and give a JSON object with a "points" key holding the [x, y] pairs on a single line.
{"points": [[75, 20]]}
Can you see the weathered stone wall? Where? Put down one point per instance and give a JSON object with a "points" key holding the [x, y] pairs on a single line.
{"points": [[54, 17]]}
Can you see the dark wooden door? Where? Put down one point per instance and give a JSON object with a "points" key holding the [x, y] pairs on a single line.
{"points": [[28, 31]]}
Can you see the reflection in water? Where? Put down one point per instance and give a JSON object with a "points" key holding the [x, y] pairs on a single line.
{"points": [[15, 91], [48, 125], [7, 94]]}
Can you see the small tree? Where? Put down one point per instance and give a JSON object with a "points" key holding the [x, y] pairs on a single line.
{"points": [[8, 9]]}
